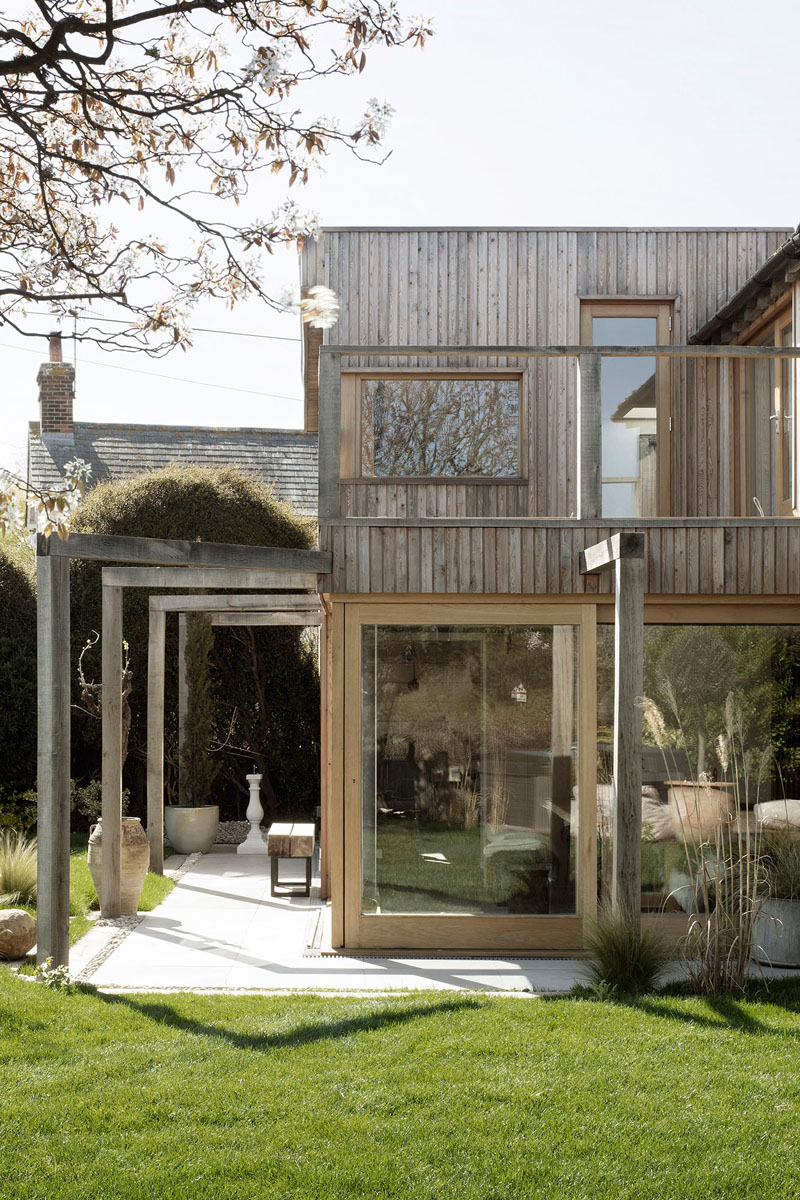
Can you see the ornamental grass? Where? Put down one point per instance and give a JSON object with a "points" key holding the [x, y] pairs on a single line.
{"points": [[17, 869]]}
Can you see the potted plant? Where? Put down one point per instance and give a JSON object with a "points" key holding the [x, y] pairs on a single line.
{"points": [[192, 824], [776, 936], [695, 670]]}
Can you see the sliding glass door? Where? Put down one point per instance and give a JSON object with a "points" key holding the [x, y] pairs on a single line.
{"points": [[463, 821]]}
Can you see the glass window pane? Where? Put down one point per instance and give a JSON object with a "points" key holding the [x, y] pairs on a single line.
{"points": [[787, 420], [629, 418], [760, 437], [447, 427], [699, 783], [469, 769]]}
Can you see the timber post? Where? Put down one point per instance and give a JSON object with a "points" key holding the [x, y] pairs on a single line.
{"points": [[156, 653], [53, 759], [625, 552], [112, 750]]}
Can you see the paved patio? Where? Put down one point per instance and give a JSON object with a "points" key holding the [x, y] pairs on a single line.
{"points": [[221, 929]]}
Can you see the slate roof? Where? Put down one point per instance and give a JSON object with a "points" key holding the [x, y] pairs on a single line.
{"points": [[285, 457]]}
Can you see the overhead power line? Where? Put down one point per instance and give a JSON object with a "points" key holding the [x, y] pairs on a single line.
{"points": [[224, 387], [266, 337]]}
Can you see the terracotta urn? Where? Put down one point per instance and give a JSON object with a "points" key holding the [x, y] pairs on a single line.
{"points": [[134, 861]]}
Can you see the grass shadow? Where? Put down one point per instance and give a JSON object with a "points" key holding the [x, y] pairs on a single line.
{"points": [[722, 1012], [315, 1031]]}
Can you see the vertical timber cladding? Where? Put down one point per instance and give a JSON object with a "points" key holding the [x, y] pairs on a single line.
{"points": [[742, 557], [513, 287]]}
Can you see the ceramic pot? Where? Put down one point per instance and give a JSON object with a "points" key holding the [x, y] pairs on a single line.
{"points": [[699, 809], [776, 933], [134, 861], [190, 830]]}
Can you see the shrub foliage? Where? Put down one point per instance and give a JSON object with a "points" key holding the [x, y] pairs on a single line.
{"points": [[17, 675], [265, 682]]}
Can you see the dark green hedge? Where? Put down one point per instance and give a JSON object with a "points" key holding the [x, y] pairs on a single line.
{"points": [[268, 676], [17, 673]]}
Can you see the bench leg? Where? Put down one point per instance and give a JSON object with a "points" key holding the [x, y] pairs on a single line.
{"points": [[298, 888]]}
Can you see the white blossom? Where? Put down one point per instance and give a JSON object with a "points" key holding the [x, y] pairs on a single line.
{"points": [[320, 307]]}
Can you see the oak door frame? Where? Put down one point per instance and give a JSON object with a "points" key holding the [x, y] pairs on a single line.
{"points": [[662, 310], [465, 931]]}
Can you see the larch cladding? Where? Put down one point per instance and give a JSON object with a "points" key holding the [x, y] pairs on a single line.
{"points": [[524, 287]]}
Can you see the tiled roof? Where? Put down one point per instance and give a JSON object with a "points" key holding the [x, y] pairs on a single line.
{"points": [[285, 457]]}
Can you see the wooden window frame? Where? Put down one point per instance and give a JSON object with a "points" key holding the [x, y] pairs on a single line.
{"points": [[454, 932], [350, 449], [662, 310]]}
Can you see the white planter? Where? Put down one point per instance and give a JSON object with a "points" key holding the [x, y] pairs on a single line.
{"points": [[776, 933], [191, 830]]}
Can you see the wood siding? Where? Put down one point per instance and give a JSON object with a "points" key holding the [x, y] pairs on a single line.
{"points": [[720, 559], [524, 287]]}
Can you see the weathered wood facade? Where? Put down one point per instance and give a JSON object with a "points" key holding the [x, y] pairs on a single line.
{"points": [[406, 550], [526, 287]]}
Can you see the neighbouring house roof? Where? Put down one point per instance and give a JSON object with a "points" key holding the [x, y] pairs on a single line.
{"points": [[762, 289], [286, 458]]}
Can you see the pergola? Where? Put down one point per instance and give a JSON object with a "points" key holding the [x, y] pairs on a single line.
{"points": [[155, 564]]}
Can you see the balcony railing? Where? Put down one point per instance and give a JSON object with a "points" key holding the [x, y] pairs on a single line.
{"points": [[587, 453]]}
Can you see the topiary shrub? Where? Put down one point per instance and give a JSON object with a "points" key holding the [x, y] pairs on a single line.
{"points": [[17, 672], [265, 680]]}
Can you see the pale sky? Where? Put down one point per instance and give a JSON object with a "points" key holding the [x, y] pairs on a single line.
{"points": [[627, 112]]}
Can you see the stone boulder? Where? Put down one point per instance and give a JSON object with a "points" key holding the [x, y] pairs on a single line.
{"points": [[17, 933]]}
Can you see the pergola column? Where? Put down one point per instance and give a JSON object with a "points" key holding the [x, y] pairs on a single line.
{"points": [[112, 750], [625, 553], [156, 654], [52, 619]]}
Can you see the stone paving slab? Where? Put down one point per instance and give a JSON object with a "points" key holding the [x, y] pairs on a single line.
{"points": [[221, 930]]}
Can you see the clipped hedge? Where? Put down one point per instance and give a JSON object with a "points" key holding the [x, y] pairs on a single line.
{"points": [[269, 675], [17, 672]]}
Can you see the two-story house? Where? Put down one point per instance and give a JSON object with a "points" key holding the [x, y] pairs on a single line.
{"points": [[492, 404]]}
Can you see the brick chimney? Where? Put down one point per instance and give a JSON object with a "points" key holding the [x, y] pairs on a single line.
{"points": [[56, 381]]}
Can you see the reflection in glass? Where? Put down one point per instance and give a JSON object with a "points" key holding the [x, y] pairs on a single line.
{"points": [[629, 418], [787, 420], [758, 389], [469, 769], [448, 427], [700, 677]]}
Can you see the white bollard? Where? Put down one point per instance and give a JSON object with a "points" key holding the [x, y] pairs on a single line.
{"points": [[254, 843]]}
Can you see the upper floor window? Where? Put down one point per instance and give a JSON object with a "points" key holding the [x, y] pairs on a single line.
{"points": [[634, 403], [415, 425]]}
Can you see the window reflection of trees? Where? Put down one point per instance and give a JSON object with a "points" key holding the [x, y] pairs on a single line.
{"points": [[447, 427]]}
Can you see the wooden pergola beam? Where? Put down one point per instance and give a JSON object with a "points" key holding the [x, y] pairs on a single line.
{"points": [[159, 551], [156, 656], [221, 603], [625, 553], [267, 618], [241, 578]]}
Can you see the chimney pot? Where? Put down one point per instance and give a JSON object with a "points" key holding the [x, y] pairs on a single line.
{"points": [[56, 354]]}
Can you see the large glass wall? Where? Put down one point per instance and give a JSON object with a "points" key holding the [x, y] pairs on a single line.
{"points": [[721, 746], [469, 769]]}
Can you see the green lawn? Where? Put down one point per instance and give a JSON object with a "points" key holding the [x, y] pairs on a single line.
{"points": [[83, 897], [410, 1096]]}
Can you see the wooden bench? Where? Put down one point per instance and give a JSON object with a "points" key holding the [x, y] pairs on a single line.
{"points": [[286, 840]]}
